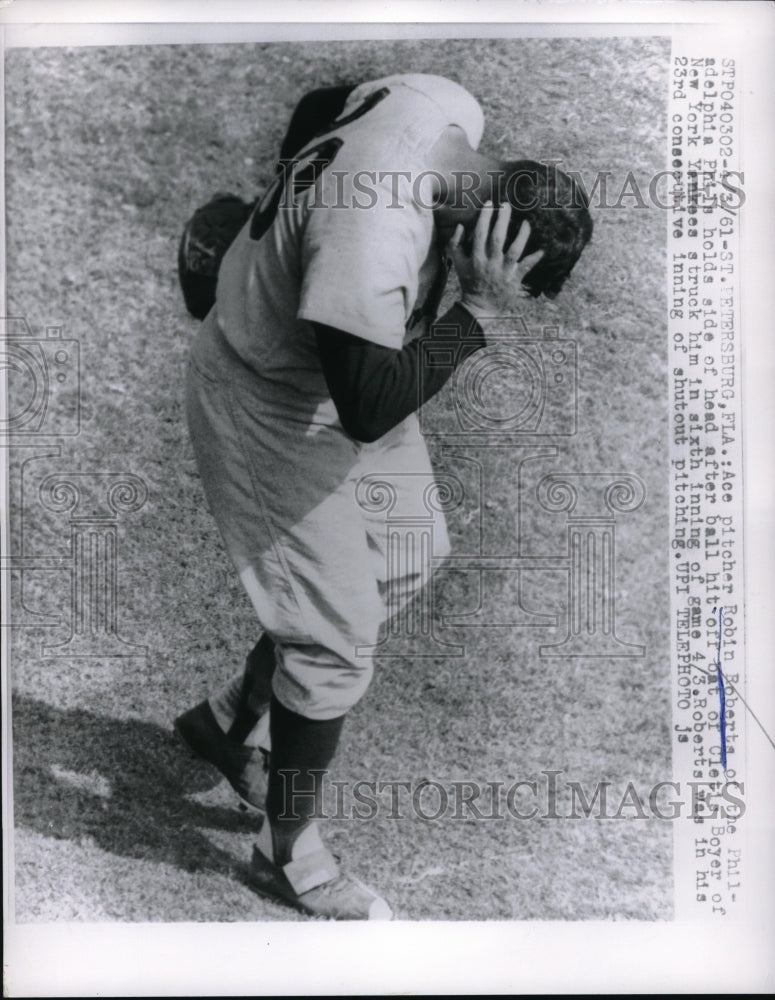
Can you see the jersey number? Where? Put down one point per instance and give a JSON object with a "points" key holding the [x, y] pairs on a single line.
{"points": [[363, 108], [302, 173]]}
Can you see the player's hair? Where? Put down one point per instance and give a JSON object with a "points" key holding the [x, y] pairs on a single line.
{"points": [[557, 209]]}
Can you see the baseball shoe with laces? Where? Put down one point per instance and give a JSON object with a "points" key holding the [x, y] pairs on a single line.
{"points": [[245, 768], [315, 885]]}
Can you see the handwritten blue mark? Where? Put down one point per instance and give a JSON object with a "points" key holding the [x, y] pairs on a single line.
{"points": [[722, 715]]}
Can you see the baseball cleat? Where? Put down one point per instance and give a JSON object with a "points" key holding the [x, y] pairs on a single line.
{"points": [[315, 885], [245, 768]]}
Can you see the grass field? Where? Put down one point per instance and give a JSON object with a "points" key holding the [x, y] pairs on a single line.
{"points": [[108, 151]]}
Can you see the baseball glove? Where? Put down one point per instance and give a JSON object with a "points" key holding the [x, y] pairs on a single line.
{"points": [[207, 236]]}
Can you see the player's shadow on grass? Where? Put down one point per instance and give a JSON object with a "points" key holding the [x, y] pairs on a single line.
{"points": [[122, 783]]}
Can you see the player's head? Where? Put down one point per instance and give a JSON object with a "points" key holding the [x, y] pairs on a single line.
{"points": [[557, 210]]}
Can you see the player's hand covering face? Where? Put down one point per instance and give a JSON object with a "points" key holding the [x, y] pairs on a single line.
{"points": [[489, 278]]}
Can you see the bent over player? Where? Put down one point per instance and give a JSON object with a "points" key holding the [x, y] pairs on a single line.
{"points": [[306, 376]]}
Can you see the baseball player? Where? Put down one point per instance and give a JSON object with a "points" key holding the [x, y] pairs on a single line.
{"points": [[305, 376]]}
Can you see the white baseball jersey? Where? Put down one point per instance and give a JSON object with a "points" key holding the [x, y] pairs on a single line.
{"points": [[356, 251], [279, 472]]}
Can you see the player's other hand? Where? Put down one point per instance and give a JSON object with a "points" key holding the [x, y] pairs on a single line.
{"points": [[487, 275]]}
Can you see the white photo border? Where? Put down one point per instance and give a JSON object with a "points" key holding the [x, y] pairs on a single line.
{"points": [[537, 957]]}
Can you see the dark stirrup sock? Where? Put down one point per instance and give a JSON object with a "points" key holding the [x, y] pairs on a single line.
{"points": [[256, 689], [304, 747]]}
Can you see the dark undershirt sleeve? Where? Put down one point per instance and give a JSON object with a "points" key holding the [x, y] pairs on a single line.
{"points": [[374, 388]]}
